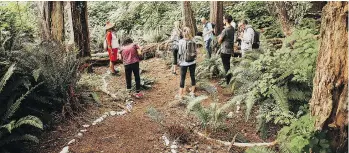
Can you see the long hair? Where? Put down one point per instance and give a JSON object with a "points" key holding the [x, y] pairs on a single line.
{"points": [[187, 33]]}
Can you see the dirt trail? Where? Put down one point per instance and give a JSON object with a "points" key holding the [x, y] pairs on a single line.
{"points": [[136, 131]]}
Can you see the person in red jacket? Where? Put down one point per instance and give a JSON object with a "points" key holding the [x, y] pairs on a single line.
{"points": [[112, 46]]}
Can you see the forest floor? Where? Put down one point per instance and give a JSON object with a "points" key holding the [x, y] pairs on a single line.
{"points": [[137, 131]]}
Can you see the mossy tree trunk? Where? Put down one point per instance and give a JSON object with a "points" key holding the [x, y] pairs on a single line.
{"points": [[329, 102], [188, 17], [80, 27], [216, 15]]}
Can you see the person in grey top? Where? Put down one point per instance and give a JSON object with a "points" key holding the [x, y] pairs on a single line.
{"points": [[247, 37], [207, 34], [226, 39]]}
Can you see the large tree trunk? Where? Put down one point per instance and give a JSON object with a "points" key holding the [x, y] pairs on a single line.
{"points": [[188, 17], [216, 15], [57, 21], [51, 20], [329, 102], [286, 24], [80, 27]]}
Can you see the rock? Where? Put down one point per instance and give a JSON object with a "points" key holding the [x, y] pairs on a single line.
{"points": [[188, 147], [209, 147], [71, 141], [94, 123], [107, 113], [230, 115], [121, 112], [84, 130], [112, 113], [167, 142], [173, 151], [174, 146], [65, 150], [86, 126], [80, 134], [104, 116]]}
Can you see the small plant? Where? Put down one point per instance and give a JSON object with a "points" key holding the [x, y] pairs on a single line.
{"points": [[212, 116], [154, 114], [210, 68], [178, 133]]}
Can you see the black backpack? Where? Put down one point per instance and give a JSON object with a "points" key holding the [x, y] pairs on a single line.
{"points": [[256, 42]]}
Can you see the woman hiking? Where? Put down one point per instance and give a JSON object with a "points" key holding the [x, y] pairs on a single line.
{"points": [[176, 35], [187, 56], [130, 56], [112, 45]]}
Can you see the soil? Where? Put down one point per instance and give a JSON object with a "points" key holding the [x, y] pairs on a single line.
{"points": [[137, 131]]}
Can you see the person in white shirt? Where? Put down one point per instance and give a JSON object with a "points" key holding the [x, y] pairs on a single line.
{"points": [[247, 37], [207, 34]]}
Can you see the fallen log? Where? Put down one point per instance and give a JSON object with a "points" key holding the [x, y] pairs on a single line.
{"points": [[226, 143]]}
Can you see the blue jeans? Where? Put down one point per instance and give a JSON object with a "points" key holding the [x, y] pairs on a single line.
{"points": [[208, 47]]}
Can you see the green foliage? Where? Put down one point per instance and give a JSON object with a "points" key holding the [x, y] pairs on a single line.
{"points": [[210, 68], [154, 114], [259, 150], [212, 116], [11, 129], [280, 81]]}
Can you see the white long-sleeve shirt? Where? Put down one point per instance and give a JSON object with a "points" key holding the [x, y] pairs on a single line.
{"points": [[247, 39]]}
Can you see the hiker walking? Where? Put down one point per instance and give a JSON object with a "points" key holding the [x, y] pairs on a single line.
{"points": [[226, 39], [176, 35], [247, 37], [207, 34], [111, 44], [187, 57], [130, 56]]}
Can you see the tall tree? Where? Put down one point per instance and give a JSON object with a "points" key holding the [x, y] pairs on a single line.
{"points": [[80, 27], [52, 20], [329, 102], [188, 17], [286, 23], [216, 15]]}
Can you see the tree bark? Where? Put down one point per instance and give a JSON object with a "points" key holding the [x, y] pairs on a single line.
{"points": [[330, 93], [51, 20], [80, 27], [57, 21], [284, 20], [216, 15], [188, 17]]}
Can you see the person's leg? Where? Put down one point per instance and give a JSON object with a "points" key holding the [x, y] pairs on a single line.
{"points": [[208, 47], [182, 82], [192, 77], [128, 76], [226, 64], [135, 69], [174, 64]]}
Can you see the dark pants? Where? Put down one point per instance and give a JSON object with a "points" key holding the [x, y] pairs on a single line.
{"points": [[208, 47], [226, 64], [128, 74], [184, 73], [175, 56]]}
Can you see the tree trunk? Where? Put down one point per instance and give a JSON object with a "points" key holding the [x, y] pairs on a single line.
{"points": [[51, 20], [330, 93], [286, 24], [188, 17], [57, 21], [80, 27], [216, 15]]}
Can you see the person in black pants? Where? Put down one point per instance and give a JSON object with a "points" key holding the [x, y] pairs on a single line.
{"points": [[226, 39], [129, 54], [176, 35]]}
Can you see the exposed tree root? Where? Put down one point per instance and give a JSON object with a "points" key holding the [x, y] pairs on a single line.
{"points": [[226, 143]]}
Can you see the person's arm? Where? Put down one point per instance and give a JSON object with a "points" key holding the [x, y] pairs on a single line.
{"points": [[109, 38], [222, 36]]}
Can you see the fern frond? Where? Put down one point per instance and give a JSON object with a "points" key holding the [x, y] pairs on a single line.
{"points": [[279, 95], [29, 120], [14, 138], [195, 103], [7, 75]]}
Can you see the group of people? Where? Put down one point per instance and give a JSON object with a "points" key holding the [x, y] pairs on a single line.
{"points": [[184, 49], [181, 38]]}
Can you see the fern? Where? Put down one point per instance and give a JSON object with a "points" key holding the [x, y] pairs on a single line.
{"points": [[7, 76], [14, 138]]}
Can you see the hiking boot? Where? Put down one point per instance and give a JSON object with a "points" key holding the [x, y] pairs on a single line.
{"points": [[138, 95]]}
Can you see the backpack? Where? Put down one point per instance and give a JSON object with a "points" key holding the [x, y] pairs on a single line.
{"points": [[189, 54], [256, 42]]}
